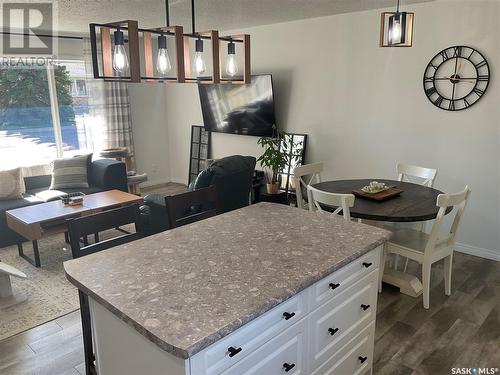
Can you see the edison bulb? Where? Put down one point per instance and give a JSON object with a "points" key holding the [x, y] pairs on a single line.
{"points": [[395, 33], [199, 64], [231, 66], [163, 65], [120, 60]]}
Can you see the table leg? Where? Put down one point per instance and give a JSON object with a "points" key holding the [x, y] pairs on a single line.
{"points": [[407, 284], [35, 262], [96, 237], [36, 253], [66, 237]]}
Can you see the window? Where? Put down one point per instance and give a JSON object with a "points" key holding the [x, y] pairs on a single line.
{"points": [[32, 130]]}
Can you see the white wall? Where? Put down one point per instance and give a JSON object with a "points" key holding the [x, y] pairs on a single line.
{"points": [[364, 107], [149, 126]]}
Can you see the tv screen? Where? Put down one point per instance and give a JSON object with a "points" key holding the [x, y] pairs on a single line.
{"points": [[239, 109]]}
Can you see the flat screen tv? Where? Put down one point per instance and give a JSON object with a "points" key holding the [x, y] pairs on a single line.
{"points": [[239, 109]]}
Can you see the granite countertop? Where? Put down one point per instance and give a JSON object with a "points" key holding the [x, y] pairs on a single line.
{"points": [[186, 288]]}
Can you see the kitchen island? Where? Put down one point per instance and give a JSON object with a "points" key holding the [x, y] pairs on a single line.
{"points": [[267, 289]]}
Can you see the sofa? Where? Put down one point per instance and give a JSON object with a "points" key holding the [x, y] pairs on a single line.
{"points": [[232, 177], [104, 174]]}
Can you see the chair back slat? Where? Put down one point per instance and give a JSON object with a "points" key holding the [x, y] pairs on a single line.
{"points": [[99, 222], [458, 201], [192, 206], [407, 171], [305, 175], [343, 202]]}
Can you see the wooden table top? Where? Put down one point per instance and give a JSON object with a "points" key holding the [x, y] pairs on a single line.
{"points": [[56, 210], [416, 202]]}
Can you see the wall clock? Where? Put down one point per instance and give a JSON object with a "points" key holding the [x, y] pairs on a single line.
{"points": [[456, 78]]}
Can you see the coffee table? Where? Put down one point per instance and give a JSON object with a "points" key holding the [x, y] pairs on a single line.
{"points": [[44, 219]]}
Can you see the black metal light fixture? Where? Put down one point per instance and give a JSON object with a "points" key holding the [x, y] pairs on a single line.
{"points": [[396, 29], [120, 59]]}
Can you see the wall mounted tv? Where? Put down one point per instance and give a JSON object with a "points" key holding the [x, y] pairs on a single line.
{"points": [[239, 109]]}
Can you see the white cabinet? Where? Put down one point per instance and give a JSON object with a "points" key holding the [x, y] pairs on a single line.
{"points": [[332, 316], [325, 329]]}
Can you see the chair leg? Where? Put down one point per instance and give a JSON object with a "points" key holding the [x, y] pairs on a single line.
{"points": [[406, 265], [448, 262], [426, 281]]}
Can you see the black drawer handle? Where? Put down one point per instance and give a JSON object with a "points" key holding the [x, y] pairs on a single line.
{"points": [[288, 366], [333, 331], [365, 307], [334, 286], [288, 315], [233, 351], [367, 264], [362, 359]]}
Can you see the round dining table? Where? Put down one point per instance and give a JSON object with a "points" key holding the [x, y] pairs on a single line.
{"points": [[415, 203]]}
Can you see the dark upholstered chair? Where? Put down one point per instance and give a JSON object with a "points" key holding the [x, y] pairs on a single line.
{"points": [[232, 178]]}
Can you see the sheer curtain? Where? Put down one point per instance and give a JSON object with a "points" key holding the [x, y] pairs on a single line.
{"points": [[109, 122]]}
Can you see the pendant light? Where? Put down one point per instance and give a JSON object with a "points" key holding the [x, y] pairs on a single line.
{"points": [[231, 64], [120, 59], [396, 28], [163, 65]]}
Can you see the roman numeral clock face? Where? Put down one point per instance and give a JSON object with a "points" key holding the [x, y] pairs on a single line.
{"points": [[456, 78]]}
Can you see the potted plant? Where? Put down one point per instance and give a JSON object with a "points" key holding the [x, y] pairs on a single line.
{"points": [[275, 159]]}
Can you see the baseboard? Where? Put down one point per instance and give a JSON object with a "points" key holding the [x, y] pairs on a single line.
{"points": [[178, 180], [154, 183], [478, 251]]}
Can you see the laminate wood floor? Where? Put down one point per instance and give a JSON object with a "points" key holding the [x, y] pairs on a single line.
{"points": [[462, 330]]}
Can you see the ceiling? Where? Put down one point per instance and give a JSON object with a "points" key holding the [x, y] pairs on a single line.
{"points": [[75, 15]]}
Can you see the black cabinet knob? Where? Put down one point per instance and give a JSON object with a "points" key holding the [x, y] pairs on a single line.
{"points": [[366, 265], [288, 315], [333, 331], [334, 286], [288, 366], [365, 307], [233, 351], [362, 359]]}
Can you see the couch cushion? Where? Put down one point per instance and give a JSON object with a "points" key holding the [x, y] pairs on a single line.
{"points": [[11, 184], [10, 204], [70, 173], [37, 182]]}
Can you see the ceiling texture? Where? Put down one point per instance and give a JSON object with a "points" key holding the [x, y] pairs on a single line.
{"points": [[75, 15]]}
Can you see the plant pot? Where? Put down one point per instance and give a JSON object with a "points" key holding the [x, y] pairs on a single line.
{"points": [[273, 188]]}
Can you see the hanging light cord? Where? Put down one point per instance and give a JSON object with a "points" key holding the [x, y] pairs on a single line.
{"points": [[192, 17], [167, 13], [397, 8]]}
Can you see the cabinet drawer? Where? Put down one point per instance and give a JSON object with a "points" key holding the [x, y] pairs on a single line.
{"points": [[340, 280], [355, 358], [283, 355], [335, 323], [218, 357]]}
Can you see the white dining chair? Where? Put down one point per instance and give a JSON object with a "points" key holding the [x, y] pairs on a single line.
{"points": [[408, 173], [415, 174], [343, 202], [305, 175], [427, 249]]}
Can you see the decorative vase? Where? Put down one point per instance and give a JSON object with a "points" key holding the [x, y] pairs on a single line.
{"points": [[273, 188]]}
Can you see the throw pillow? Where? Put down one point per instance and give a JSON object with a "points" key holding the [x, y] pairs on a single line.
{"points": [[70, 173], [11, 184]]}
